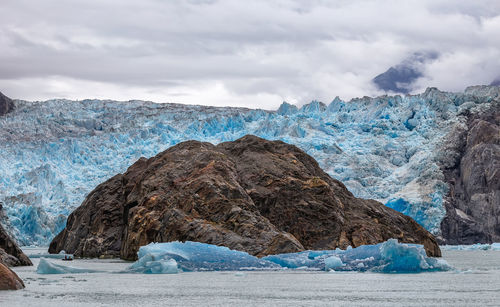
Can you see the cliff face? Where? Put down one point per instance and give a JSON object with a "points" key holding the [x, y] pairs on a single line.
{"points": [[6, 104], [262, 197], [473, 203]]}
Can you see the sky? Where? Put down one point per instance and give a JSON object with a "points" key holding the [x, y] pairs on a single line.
{"points": [[241, 53]]}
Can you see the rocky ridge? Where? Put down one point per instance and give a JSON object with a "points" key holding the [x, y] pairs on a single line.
{"points": [[262, 197], [6, 104], [10, 253], [473, 201], [9, 279]]}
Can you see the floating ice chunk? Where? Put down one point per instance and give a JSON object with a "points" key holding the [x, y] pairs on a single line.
{"points": [[155, 263], [52, 256], [387, 257], [194, 256], [406, 258], [45, 267], [333, 262]]}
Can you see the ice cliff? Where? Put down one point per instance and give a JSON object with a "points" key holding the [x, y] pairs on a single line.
{"points": [[389, 148]]}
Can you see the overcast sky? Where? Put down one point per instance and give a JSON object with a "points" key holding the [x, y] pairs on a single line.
{"points": [[239, 53]]}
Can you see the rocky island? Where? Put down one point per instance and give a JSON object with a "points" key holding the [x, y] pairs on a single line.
{"points": [[254, 195]]}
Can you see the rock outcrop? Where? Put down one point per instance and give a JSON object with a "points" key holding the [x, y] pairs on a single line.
{"points": [[473, 202], [6, 104], [9, 279], [262, 197], [10, 253]]}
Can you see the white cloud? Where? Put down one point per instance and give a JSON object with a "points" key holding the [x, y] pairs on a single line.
{"points": [[226, 52]]}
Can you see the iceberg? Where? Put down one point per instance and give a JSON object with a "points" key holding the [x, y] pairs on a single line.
{"points": [[155, 263], [46, 267], [333, 262], [194, 256], [387, 257]]}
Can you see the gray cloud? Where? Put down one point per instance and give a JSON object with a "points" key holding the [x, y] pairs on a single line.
{"points": [[226, 52]]}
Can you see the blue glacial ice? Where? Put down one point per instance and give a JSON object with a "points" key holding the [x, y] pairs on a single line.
{"points": [[389, 148], [46, 267], [155, 263], [195, 256], [387, 257]]}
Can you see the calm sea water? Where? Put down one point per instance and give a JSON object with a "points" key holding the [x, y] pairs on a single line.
{"points": [[475, 283]]}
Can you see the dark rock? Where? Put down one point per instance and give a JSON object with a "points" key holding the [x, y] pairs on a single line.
{"points": [[473, 203], [9, 279], [401, 77], [262, 197], [6, 104], [10, 253]]}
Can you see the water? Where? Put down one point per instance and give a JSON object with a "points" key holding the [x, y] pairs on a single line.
{"points": [[476, 282]]}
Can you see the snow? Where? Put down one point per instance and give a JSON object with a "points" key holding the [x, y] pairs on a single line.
{"points": [[46, 267], [387, 257], [389, 148]]}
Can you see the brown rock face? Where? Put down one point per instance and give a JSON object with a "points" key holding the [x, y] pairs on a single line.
{"points": [[9, 280], [10, 253], [6, 104], [262, 197], [473, 203]]}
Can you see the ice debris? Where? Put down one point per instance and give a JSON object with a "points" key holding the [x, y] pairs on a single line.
{"points": [[155, 263], [333, 262], [62, 254], [46, 267], [47, 255], [477, 246], [387, 257]]}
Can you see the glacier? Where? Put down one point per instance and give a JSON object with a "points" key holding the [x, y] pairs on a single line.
{"points": [[388, 148], [386, 257]]}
